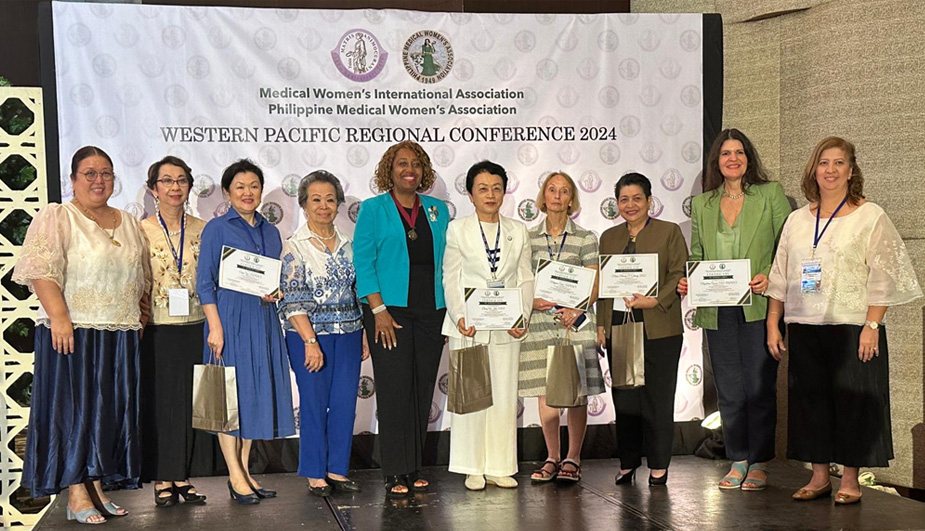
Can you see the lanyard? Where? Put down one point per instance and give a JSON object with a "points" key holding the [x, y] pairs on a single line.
{"points": [[561, 245], [493, 254], [818, 235], [178, 257], [247, 229], [412, 219]]}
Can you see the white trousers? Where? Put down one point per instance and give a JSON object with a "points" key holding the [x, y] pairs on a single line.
{"points": [[485, 442]]}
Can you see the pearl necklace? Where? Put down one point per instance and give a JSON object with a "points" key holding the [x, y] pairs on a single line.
{"points": [[320, 237]]}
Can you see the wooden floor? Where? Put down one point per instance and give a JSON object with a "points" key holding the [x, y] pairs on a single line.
{"points": [[691, 501]]}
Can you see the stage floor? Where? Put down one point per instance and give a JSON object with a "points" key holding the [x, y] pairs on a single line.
{"points": [[691, 501]]}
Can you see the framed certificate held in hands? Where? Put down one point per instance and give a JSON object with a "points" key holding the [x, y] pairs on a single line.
{"points": [[624, 275], [494, 308], [248, 273], [719, 283], [564, 284]]}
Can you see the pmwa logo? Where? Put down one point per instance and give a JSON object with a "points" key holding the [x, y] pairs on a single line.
{"points": [[428, 56]]}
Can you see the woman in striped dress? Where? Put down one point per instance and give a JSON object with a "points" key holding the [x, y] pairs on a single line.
{"points": [[558, 238]]}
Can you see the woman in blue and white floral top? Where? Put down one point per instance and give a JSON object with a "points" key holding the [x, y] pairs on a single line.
{"points": [[324, 334]]}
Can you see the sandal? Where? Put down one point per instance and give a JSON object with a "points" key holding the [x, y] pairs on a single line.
{"points": [[572, 474], [733, 482], [417, 482], [395, 487], [755, 484], [165, 501], [543, 475], [189, 497], [84, 516]]}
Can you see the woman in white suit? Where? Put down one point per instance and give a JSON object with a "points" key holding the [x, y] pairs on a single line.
{"points": [[487, 250]]}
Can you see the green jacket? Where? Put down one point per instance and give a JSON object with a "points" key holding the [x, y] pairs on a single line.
{"points": [[764, 212]]}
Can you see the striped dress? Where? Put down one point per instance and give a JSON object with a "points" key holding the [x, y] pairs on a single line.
{"points": [[580, 249]]}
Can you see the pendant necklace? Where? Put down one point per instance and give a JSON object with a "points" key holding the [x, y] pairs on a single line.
{"points": [[112, 236]]}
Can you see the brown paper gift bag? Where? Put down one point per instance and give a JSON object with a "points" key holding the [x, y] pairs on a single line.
{"points": [[628, 360], [215, 398], [565, 376], [470, 380]]}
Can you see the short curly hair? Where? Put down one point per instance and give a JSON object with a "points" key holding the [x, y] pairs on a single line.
{"points": [[384, 168]]}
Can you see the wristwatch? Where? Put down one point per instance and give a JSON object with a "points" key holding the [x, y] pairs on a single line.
{"points": [[872, 324], [311, 340]]}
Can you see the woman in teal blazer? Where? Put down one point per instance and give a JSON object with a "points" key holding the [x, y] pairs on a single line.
{"points": [[740, 215], [400, 235]]}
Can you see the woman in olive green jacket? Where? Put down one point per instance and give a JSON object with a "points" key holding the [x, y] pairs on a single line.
{"points": [[740, 215]]}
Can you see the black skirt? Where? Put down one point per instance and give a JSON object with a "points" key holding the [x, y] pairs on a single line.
{"points": [[838, 406], [168, 353]]}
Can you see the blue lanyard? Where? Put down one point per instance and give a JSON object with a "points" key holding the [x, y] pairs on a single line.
{"points": [[818, 235], [493, 254], [248, 228], [561, 245], [178, 257]]}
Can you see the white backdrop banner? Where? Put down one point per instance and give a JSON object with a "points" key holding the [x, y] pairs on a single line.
{"points": [[595, 96]]}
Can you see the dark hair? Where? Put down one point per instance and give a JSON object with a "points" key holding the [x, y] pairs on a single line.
{"points": [[485, 166], [384, 168], [320, 176], [855, 184], [87, 152], [633, 179], [754, 171], [155, 169], [241, 166]]}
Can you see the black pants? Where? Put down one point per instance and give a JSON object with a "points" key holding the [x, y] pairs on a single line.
{"points": [[405, 378], [839, 406], [645, 415], [745, 375]]}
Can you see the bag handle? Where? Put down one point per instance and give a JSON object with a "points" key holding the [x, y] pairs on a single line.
{"points": [[212, 359], [628, 317]]}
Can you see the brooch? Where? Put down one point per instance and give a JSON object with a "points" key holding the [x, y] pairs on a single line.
{"points": [[432, 213]]}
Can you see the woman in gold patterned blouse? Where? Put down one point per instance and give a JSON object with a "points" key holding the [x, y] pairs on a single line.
{"points": [[172, 342]]}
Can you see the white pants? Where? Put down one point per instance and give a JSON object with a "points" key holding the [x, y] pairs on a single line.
{"points": [[485, 442]]}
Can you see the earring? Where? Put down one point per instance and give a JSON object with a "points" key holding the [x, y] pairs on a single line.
{"points": [[157, 204]]}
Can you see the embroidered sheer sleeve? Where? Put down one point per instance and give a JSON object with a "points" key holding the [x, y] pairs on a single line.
{"points": [[891, 280], [44, 251], [295, 285], [777, 279]]}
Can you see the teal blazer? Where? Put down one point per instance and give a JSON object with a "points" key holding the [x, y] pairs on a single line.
{"points": [[380, 249], [764, 212]]}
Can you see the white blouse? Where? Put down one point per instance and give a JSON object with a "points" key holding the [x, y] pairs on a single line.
{"points": [[102, 283], [864, 263]]}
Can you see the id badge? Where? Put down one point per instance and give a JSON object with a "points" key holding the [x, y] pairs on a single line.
{"points": [[495, 284], [811, 276], [178, 302]]}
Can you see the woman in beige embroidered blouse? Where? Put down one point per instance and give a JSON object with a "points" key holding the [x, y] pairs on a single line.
{"points": [[839, 265], [87, 263], [172, 342]]}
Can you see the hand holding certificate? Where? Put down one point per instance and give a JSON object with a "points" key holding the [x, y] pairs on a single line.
{"points": [[494, 309], [248, 273], [564, 284], [719, 283]]}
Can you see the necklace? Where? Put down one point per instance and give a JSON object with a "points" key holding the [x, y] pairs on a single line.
{"points": [[733, 197], [112, 236], [320, 237]]}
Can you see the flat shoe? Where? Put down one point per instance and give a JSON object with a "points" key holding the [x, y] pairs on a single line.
{"points": [[392, 483], [754, 484], [572, 474], [413, 478], [475, 482], [734, 482], [543, 475], [84, 516], [843, 498], [322, 492], [347, 485], [504, 482], [805, 494]]}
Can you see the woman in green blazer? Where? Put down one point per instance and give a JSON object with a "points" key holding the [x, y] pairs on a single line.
{"points": [[740, 216]]}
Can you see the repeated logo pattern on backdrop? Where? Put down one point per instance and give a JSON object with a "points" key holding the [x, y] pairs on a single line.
{"points": [[595, 96]]}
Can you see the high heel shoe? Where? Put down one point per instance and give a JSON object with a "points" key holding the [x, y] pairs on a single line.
{"points": [[625, 479], [243, 499], [189, 497], [263, 493], [658, 482]]}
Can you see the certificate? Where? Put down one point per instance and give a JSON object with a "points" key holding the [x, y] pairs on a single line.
{"points": [[564, 284], [494, 308], [623, 275], [248, 273], [719, 283]]}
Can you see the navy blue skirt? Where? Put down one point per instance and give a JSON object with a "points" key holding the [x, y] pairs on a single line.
{"points": [[85, 412]]}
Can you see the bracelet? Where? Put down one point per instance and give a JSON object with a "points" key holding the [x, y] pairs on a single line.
{"points": [[379, 309], [310, 341]]}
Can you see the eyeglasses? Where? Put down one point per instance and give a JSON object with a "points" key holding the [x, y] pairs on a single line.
{"points": [[92, 175], [183, 182]]}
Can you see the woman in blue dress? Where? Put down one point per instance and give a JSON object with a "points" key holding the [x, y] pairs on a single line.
{"points": [[243, 330]]}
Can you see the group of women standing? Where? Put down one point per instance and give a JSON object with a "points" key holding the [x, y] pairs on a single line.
{"points": [[127, 308]]}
